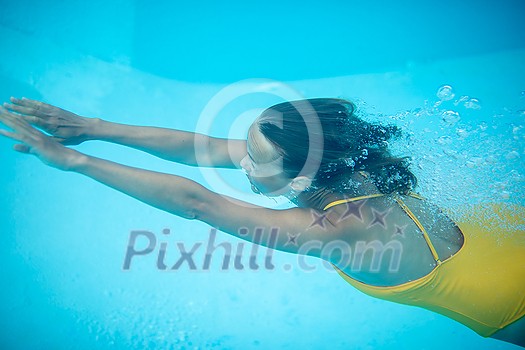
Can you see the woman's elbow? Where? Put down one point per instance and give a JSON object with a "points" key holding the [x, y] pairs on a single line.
{"points": [[195, 208]]}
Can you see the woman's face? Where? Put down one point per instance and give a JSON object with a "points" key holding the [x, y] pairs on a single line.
{"points": [[264, 166]]}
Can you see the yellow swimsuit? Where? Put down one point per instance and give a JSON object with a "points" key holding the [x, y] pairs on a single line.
{"points": [[483, 284]]}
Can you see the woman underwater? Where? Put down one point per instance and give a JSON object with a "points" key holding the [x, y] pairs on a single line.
{"points": [[346, 185]]}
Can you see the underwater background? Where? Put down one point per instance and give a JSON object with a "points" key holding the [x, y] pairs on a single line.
{"points": [[451, 73]]}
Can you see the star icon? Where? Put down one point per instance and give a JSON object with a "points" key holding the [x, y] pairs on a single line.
{"points": [[379, 218], [353, 208], [292, 239], [400, 231], [318, 219]]}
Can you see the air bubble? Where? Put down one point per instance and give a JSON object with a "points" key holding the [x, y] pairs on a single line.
{"points": [[349, 162], [483, 126], [451, 153], [491, 159], [474, 162], [462, 99], [462, 133], [450, 117], [512, 155], [445, 93], [472, 103], [444, 140], [516, 176], [477, 160]]}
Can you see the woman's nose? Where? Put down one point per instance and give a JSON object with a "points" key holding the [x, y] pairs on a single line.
{"points": [[245, 164]]}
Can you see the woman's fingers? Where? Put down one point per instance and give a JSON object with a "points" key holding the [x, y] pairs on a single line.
{"points": [[20, 147], [37, 108], [11, 135], [31, 119], [30, 115], [26, 102], [19, 109], [29, 111], [7, 119], [19, 125], [59, 140]]}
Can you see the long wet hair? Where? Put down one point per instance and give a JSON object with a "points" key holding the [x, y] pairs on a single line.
{"points": [[341, 143]]}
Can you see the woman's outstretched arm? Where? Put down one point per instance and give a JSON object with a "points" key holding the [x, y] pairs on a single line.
{"points": [[171, 144], [292, 229], [175, 145]]}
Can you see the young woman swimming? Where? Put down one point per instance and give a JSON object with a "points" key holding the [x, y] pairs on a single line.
{"points": [[347, 186]]}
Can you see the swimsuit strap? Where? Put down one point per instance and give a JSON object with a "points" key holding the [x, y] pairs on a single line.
{"points": [[346, 200], [420, 226], [415, 195]]}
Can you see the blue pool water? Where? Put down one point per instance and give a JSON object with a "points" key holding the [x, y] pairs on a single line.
{"points": [[212, 67]]}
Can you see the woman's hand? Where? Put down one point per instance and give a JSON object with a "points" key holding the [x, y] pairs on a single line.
{"points": [[35, 142], [66, 127]]}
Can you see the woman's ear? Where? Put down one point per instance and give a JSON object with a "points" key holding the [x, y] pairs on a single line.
{"points": [[300, 183]]}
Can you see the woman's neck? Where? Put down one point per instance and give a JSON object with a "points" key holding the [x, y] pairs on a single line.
{"points": [[319, 198]]}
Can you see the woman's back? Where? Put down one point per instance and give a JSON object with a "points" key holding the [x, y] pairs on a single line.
{"points": [[387, 246]]}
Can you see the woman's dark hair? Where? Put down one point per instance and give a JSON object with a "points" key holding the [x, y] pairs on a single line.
{"points": [[345, 143]]}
